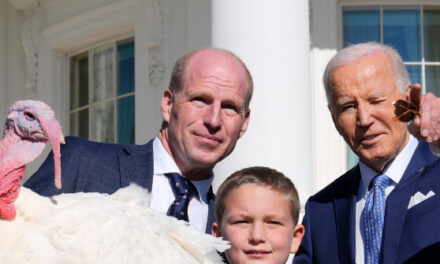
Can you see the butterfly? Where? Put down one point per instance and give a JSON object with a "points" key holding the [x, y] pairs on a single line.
{"points": [[405, 111]]}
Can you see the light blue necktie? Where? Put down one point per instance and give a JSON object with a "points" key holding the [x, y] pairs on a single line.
{"points": [[373, 218]]}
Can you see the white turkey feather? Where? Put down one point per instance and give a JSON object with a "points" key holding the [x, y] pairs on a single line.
{"points": [[99, 228]]}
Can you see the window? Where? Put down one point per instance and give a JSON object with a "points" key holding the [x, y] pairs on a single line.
{"points": [[102, 93], [414, 31]]}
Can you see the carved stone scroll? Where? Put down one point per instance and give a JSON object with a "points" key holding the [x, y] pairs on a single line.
{"points": [[30, 35], [156, 64]]}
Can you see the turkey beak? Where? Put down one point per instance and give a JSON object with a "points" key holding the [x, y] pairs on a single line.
{"points": [[62, 140], [40, 134]]}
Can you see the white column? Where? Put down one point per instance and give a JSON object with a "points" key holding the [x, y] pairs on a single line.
{"points": [[272, 38]]}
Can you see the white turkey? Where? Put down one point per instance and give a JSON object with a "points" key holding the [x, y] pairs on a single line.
{"points": [[82, 227]]}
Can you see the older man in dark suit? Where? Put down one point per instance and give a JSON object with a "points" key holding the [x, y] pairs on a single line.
{"points": [[205, 112], [386, 209]]}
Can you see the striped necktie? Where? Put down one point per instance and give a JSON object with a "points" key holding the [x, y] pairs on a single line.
{"points": [[183, 191], [373, 218]]}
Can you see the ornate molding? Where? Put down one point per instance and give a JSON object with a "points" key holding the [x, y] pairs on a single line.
{"points": [[156, 69], [156, 63], [30, 35], [24, 4]]}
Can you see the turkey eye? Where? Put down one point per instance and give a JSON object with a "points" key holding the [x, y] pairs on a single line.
{"points": [[29, 116]]}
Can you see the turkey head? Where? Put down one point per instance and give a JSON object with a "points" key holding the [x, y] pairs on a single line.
{"points": [[28, 127]]}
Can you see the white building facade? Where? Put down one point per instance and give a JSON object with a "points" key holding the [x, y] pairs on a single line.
{"points": [[103, 65]]}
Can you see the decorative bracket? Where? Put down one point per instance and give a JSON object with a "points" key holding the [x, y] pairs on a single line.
{"points": [[156, 64], [30, 35]]}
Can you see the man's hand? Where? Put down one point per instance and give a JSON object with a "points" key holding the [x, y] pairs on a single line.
{"points": [[426, 126]]}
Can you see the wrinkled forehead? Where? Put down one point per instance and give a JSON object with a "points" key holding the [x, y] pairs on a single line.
{"points": [[378, 60], [363, 69]]}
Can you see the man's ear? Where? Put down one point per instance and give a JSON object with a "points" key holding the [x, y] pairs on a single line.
{"points": [[166, 105], [245, 123], [298, 235], [215, 231]]}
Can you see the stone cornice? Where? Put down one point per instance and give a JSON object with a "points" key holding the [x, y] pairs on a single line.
{"points": [[24, 4]]}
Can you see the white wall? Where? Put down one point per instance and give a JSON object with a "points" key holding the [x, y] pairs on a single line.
{"points": [[3, 10], [199, 24], [13, 66], [57, 11]]}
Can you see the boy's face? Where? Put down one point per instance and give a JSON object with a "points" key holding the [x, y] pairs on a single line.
{"points": [[258, 223]]}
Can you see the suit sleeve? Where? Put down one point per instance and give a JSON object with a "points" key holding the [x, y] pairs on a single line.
{"points": [[305, 251], [42, 181]]}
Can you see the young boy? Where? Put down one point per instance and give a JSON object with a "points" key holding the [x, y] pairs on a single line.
{"points": [[257, 210]]}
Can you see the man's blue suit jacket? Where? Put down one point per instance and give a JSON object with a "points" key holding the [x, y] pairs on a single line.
{"points": [[410, 235], [101, 167]]}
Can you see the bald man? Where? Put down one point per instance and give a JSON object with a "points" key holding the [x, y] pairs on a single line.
{"points": [[205, 111]]}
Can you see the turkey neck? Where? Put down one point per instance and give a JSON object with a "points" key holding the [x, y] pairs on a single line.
{"points": [[16, 152]]}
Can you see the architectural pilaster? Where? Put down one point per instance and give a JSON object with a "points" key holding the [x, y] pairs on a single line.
{"points": [[30, 36]]}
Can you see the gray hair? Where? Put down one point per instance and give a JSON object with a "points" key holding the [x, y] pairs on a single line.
{"points": [[355, 52]]}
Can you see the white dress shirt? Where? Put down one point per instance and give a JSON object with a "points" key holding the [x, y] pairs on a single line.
{"points": [[394, 171], [162, 195]]}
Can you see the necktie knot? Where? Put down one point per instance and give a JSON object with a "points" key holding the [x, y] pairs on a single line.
{"points": [[381, 181], [183, 191], [181, 186]]}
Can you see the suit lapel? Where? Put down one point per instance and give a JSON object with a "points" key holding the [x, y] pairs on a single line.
{"points": [[136, 165], [397, 201], [345, 209]]}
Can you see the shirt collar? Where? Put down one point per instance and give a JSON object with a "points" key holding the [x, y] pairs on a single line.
{"points": [[394, 170], [164, 163]]}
